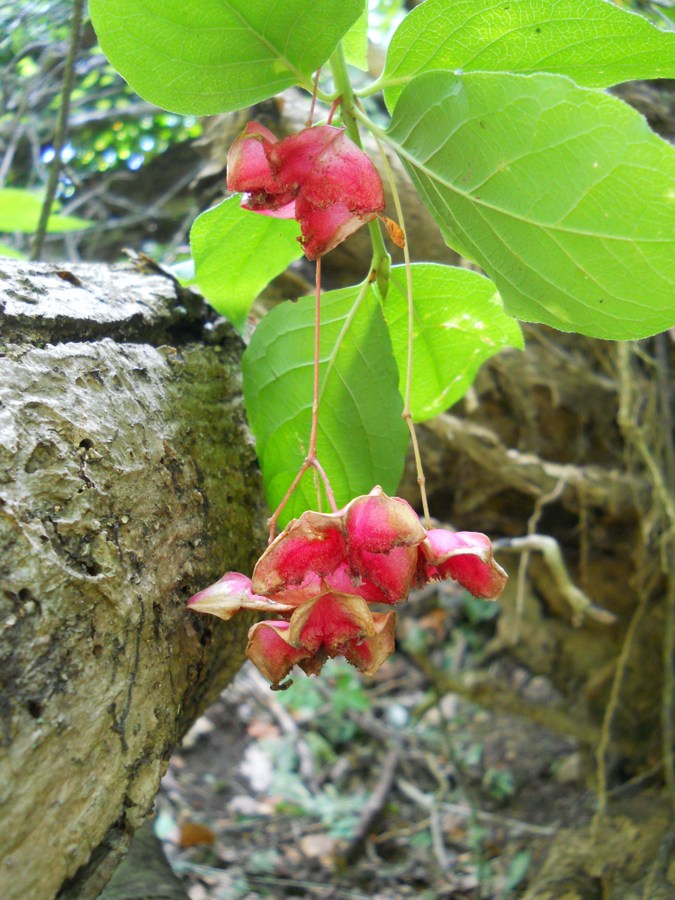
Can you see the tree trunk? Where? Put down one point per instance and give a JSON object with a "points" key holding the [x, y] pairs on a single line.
{"points": [[127, 481]]}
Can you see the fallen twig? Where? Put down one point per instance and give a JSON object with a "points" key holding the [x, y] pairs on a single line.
{"points": [[374, 806], [429, 803]]}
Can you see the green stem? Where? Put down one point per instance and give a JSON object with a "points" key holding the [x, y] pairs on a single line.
{"points": [[376, 87], [406, 414], [343, 88], [311, 461]]}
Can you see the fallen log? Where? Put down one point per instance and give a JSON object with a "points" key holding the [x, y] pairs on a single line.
{"points": [[127, 481]]}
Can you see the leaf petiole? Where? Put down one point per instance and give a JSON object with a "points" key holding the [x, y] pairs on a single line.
{"points": [[311, 461]]}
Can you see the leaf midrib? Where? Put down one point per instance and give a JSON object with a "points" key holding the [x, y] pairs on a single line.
{"points": [[263, 40], [434, 176]]}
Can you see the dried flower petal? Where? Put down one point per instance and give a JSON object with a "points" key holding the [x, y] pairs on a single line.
{"points": [[230, 594]]}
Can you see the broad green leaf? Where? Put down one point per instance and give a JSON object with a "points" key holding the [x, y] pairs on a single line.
{"points": [[20, 211], [562, 194], [362, 439], [592, 41], [237, 253], [459, 322], [355, 42], [219, 55]]}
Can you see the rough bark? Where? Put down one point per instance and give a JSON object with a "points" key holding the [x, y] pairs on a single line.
{"points": [[127, 481]]}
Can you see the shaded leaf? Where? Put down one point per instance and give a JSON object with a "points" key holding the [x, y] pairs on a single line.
{"points": [[237, 253], [362, 439], [459, 323], [218, 55], [592, 41], [562, 194]]}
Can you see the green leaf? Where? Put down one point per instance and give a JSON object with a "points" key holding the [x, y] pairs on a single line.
{"points": [[20, 211], [362, 439], [219, 55], [459, 322], [562, 194], [11, 252], [592, 41], [518, 869], [237, 253], [355, 42]]}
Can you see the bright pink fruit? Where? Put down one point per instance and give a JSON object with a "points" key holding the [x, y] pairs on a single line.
{"points": [[465, 556], [322, 572], [320, 629], [317, 176], [368, 549]]}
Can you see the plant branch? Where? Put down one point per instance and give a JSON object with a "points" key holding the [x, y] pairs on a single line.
{"points": [[532, 476], [610, 711], [373, 808], [61, 128], [580, 603]]}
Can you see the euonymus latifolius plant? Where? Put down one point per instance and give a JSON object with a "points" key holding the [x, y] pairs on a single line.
{"points": [[560, 192]]}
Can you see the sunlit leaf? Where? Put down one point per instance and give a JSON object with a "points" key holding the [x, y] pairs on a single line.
{"points": [[459, 322], [20, 212], [362, 439], [12, 252], [219, 55], [355, 42], [562, 194], [592, 41], [237, 253]]}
